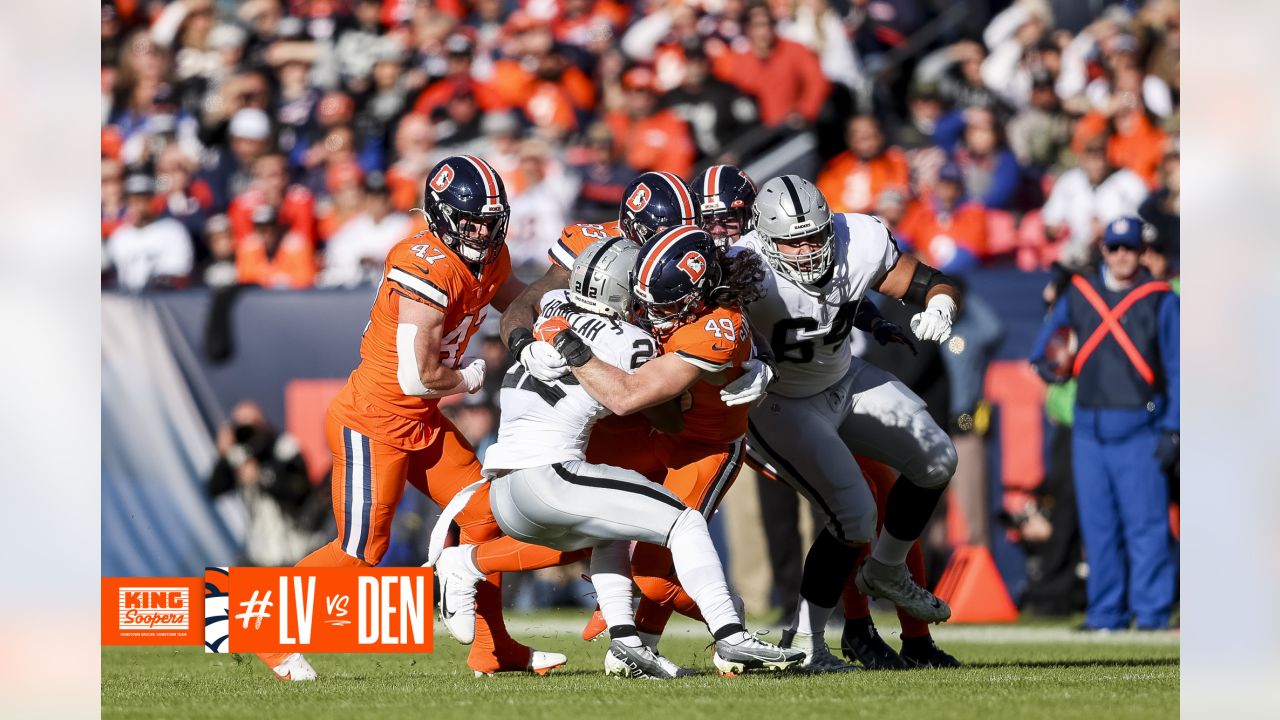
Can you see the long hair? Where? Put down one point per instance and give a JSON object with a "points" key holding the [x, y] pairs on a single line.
{"points": [[741, 280]]}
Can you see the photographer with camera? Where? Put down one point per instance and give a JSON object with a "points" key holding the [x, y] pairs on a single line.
{"points": [[267, 470]]}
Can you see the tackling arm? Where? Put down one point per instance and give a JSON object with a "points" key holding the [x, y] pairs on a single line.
{"points": [[913, 281], [522, 310], [657, 381]]}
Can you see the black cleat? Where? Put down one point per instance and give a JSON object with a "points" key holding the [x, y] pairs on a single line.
{"points": [[922, 652], [861, 643]]}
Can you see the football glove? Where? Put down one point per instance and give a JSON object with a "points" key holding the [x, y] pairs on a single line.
{"points": [[934, 324], [751, 386], [473, 375], [886, 332], [542, 361]]}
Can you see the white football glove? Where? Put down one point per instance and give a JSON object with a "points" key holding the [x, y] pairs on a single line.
{"points": [[473, 375], [751, 386], [543, 361], [934, 324]]}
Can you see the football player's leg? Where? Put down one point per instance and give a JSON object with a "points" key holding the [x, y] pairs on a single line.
{"points": [[889, 423], [797, 437], [441, 471], [506, 554], [368, 482], [699, 474]]}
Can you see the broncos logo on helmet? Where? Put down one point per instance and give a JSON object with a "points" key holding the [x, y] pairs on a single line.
{"points": [[675, 274], [725, 194], [466, 206], [655, 201]]}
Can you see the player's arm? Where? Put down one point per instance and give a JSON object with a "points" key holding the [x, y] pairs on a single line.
{"points": [[664, 378], [418, 366], [868, 319], [522, 310], [510, 291], [915, 282]]}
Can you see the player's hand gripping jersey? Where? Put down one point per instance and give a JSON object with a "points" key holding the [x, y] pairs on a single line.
{"points": [[807, 326], [424, 269], [544, 423]]}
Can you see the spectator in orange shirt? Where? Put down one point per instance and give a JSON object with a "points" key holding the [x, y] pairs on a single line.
{"points": [[270, 186], [853, 180], [647, 138], [538, 80], [460, 53], [415, 153], [274, 257], [1136, 143], [944, 228], [785, 77]]}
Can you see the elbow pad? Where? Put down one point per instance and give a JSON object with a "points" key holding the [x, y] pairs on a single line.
{"points": [[407, 362], [924, 280]]}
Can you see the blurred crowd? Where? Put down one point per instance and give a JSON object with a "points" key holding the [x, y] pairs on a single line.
{"points": [[284, 143]]}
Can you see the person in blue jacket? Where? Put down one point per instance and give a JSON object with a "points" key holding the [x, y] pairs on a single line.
{"points": [[1125, 436]]}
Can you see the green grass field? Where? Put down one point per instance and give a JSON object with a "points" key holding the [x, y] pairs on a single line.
{"points": [[1033, 670]]}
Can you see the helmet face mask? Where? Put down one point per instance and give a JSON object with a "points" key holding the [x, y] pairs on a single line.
{"points": [[725, 196], [791, 211], [666, 318], [477, 238]]}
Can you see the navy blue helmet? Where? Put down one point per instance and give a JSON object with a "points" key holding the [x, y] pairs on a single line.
{"points": [[675, 275], [655, 201], [466, 206], [725, 194]]}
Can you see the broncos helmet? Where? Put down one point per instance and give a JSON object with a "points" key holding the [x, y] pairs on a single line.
{"points": [[655, 201], [675, 274], [725, 194], [466, 205]]}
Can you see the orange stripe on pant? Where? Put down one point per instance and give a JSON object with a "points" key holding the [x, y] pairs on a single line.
{"points": [[369, 479]]}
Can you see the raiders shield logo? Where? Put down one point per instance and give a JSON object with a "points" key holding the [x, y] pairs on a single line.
{"points": [[693, 265], [640, 198], [442, 179]]}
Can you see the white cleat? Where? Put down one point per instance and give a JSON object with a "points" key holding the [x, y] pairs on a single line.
{"points": [[640, 663], [540, 663], [894, 583], [744, 651], [817, 656], [295, 668], [457, 594]]}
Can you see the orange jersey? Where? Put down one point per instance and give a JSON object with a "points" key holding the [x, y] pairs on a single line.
{"points": [[718, 341], [577, 238], [424, 269], [852, 185]]}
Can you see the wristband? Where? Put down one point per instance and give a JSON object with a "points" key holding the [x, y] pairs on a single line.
{"points": [[575, 351], [518, 339]]}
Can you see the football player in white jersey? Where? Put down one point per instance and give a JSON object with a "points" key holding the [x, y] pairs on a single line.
{"points": [[544, 492], [827, 405]]}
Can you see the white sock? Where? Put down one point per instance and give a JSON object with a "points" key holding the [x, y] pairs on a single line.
{"points": [[469, 561], [611, 576], [699, 571], [890, 550], [632, 641], [812, 619]]}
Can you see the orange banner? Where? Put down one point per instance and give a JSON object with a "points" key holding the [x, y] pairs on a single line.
{"points": [[326, 610]]}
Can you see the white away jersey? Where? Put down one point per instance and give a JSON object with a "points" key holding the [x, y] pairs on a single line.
{"points": [[544, 423], [807, 327]]}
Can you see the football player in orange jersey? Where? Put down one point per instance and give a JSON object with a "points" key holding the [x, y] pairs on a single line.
{"points": [[384, 427], [691, 296], [653, 202]]}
